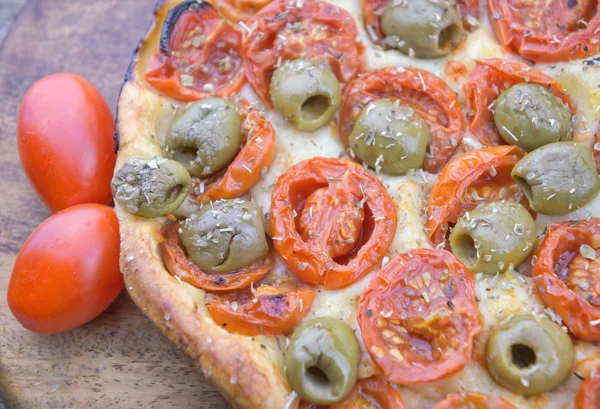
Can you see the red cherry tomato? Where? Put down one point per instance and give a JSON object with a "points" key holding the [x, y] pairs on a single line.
{"points": [[67, 272], [65, 139]]}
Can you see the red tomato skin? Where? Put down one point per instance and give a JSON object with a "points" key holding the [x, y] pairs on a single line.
{"points": [[67, 272], [65, 140]]}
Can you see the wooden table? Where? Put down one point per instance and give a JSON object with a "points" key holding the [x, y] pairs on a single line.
{"points": [[119, 360]]}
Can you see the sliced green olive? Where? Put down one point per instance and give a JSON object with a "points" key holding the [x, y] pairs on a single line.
{"points": [[322, 360], [306, 93], [225, 236], [530, 116], [151, 187], [558, 178], [422, 28], [390, 137], [493, 236], [205, 136], [530, 355]]}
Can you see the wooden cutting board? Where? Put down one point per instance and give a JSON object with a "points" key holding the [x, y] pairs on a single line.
{"points": [[119, 360]]}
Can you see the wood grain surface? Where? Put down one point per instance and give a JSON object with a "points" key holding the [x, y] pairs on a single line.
{"points": [[119, 360]]}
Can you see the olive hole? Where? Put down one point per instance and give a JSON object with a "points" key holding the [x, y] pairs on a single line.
{"points": [[173, 193], [186, 156], [447, 35], [467, 250], [317, 377], [314, 107], [522, 356]]}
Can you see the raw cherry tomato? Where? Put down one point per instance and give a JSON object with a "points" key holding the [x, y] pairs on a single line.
{"points": [[474, 177], [567, 275], [331, 220], [370, 393], [488, 79], [314, 30], [427, 94], [198, 56], [65, 139], [244, 172], [67, 272], [418, 316], [269, 311], [554, 30], [473, 400], [180, 266], [588, 396], [372, 10], [240, 10]]}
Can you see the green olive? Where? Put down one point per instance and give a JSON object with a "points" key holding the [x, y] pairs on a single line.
{"points": [[493, 236], [390, 137], [530, 116], [205, 136], [150, 187], [530, 355], [422, 28], [558, 178], [306, 93], [322, 360], [224, 236]]}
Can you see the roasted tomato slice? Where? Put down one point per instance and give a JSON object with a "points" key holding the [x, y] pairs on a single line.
{"points": [[473, 178], [427, 94], [567, 275], [267, 311], [370, 393], [244, 172], [311, 29], [487, 80], [473, 400], [331, 221], [418, 316], [588, 396], [180, 266], [372, 10], [239, 10], [549, 30], [199, 54]]}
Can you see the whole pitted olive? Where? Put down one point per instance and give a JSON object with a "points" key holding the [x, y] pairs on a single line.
{"points": [[151, 187], [558, 178], [530, 355], [205, 136], [390, 137], [493, 236], [306, 93], [322, 360], [422, 28], [225, 236], [530, 116]]}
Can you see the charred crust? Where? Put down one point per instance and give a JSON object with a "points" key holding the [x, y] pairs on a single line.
{"points": [[172, 18]]}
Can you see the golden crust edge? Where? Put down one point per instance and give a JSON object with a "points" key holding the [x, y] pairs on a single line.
{"points": [[246, 370]]}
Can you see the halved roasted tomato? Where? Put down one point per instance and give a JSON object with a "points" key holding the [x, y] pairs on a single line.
{"points": [[239, 10], [473, 178], [488, 79], [199, 54], [553, 30], [421, 90], [588, 396], [418, 316], [331, 221], [308, 29], [268, 310], [567, 275]]}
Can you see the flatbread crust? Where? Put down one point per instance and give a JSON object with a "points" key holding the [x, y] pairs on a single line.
{"points": [[248, 371]]}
